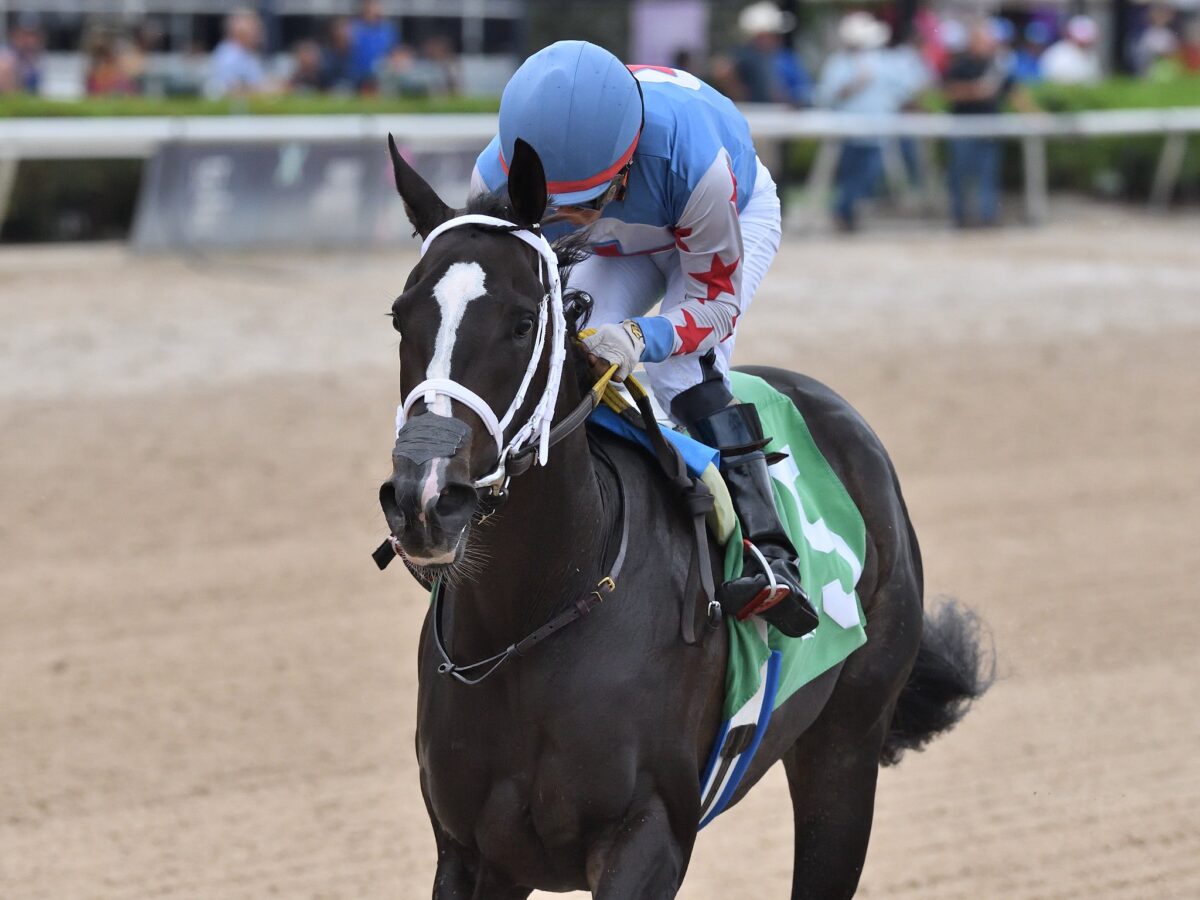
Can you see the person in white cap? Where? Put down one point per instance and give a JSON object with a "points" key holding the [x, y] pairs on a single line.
{"points": [[1074, 59], [767, 69], [859, 78]]}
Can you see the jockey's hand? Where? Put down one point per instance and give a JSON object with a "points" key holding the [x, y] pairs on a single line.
{"points": [[621, 344]]}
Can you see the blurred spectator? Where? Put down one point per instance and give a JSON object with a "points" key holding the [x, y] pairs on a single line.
{"points": [[26, 43], [767, 69], [910, 71], [858, 79], [912, 75], [338, 62], [433, 73], [236, 66], [134, 54], [438, 53], [106, 76], [372, 38], [1027, 57], [9, 82], [1074, 59], [976, 83], [723, 75], [308, 72], [927, 34], [1189, 49], [684, 60], [954, 35], [400, 75], [1158, 41]]}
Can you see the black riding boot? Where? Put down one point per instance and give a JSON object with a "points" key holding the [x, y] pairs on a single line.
{"points": [[737, 433]]}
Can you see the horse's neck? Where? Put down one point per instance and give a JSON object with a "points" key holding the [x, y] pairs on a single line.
{"points": [[540, 549]]}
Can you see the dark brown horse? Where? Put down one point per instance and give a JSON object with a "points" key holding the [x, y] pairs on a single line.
{"points": [[576, 763]]}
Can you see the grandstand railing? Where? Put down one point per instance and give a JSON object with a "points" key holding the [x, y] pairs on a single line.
{"points": [[87, 138]]}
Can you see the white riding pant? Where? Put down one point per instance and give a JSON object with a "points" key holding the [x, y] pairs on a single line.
{"points": [[627, 286]]}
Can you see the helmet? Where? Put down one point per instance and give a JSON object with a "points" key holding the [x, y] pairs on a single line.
{"points": [[580, 108]]}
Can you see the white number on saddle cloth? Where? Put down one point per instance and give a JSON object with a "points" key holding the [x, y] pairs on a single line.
{"points": [[664, 75], [839, 605]]}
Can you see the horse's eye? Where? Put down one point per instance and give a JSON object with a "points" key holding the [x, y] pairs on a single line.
{"points": [[523, 327]]}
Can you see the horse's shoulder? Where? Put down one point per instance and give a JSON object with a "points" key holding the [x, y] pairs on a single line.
{"points": [[636, 467]]}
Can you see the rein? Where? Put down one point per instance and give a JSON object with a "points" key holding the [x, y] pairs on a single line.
{"points": [[532, 442], [576, 611]]}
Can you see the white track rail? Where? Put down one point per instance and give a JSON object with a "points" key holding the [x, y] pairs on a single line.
{"points": [[85, 138]]}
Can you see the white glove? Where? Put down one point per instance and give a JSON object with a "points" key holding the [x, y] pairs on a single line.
{"points": [[621, 344]]}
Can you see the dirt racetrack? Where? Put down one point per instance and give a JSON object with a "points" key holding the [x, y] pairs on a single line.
{"points": [[207, 691]]}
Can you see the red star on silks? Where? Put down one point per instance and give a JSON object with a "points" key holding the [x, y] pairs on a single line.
{"points": [[719, 278], [691, 335], [680, 234], [733, 199]]}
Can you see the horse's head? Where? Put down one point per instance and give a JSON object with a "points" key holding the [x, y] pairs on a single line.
{"points": [[479, 319]]}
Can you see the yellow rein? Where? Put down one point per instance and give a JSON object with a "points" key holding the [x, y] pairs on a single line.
{"points": [[603, 390]]}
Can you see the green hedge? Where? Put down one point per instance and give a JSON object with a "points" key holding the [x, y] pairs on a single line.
{"points": [[37, 107], [1118, 93], [1117, 166]]}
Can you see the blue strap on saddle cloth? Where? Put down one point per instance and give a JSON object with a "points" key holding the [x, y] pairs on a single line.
{"points": [[698, 456]]}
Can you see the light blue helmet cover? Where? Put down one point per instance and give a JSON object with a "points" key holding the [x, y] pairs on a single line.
{"points": [[580, 108]]}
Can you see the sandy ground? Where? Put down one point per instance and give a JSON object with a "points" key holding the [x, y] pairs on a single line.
{"points": [[207, 691]]}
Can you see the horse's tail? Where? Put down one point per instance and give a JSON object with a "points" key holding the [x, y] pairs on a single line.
{"points": [[951, 672]]}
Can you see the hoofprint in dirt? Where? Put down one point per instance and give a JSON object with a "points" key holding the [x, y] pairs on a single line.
{"points": [[208, 690]]}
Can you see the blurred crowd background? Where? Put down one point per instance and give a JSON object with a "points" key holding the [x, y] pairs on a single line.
{"points": [[958, 57], [765, 52]]}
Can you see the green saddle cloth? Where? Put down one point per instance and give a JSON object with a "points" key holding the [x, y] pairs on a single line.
{"points": [[830, 538]]}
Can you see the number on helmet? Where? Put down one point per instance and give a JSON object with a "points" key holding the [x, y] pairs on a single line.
{"points": [[664, 75]]}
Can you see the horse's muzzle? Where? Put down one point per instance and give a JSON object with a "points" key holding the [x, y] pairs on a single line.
{"points": [[429, 500]]}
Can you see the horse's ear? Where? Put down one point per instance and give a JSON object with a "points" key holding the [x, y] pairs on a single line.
{"points": [[527, 185], [425, 208]]}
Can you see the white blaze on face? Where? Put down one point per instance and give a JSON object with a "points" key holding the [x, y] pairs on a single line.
{"points": [[462, 283]]}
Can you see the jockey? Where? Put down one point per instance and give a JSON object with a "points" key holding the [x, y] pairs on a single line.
{"points": [[660, 169]]}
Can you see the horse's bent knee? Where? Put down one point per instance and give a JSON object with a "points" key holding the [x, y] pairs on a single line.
{"points": [[639, 860]]}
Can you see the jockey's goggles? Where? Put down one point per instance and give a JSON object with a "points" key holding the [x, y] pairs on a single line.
{"points": [[614, 193]]}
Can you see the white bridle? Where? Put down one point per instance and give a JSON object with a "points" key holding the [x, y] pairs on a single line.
{"points": [[550, 312]]}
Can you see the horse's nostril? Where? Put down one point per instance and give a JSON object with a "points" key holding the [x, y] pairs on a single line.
{"points": [[391, 507], [455, 501]]}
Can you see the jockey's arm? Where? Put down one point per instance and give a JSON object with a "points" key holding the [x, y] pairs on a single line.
{"points": [[708, 236]]}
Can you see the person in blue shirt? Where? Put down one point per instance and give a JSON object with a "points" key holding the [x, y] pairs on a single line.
{"points": [[860, 78], [372, 38], [236, 67], [1027, 58], [661, 171], [769, 71]]}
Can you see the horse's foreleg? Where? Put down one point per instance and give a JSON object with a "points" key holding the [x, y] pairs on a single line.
{"points": [[832, 778], [641, 859], [460, 879], [455, 878]]}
